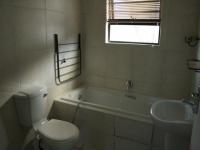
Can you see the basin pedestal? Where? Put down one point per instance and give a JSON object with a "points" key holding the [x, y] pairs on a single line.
{"points": [[175, 118], [176, 142]]}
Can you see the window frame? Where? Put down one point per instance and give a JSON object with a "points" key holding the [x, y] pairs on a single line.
{"points": [[155, 22]]}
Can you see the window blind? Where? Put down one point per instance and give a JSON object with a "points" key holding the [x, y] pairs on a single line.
{"points": [[133, 11]]}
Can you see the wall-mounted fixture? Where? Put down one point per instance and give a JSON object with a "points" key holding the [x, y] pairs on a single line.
{"points": [[67, 60], [193, 101], [194, 64], [192, 41], [129, 84]]}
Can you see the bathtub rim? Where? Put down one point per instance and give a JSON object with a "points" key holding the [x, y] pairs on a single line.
{"points": [[107, 110]]}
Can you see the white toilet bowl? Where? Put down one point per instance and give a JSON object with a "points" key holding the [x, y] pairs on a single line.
{"points": [[59, 135]]}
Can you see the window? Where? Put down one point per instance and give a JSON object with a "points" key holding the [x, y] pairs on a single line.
{"points": [[133, 21]]}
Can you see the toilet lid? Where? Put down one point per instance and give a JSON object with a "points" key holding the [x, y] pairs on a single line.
{"points": [[58, 130]]}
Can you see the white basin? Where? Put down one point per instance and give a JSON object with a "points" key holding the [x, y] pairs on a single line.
{"points": [[173, 116]]}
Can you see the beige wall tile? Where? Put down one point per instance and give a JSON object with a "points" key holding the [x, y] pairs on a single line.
{"points": [[28, 3], [122, 144], [67, 27], [133, 130], [29, 29], [94, 80], [27, 54], [64, 111], [36, 67], [93, 61], [145, 65], [93, 120], [69, 6], [8, 79], [15, 132]]}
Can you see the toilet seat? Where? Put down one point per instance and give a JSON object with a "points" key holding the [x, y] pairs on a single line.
{"points": [[57, 131]]}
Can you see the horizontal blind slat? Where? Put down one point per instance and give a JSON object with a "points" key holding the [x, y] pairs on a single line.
{"points": [[133, 1], [133, 9], [139, 21]]}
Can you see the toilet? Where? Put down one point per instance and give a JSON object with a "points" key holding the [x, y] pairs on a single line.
{"points": [[56, 134]]}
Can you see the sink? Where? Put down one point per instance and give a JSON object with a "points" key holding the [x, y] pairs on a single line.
{"points": [[173, 116]]}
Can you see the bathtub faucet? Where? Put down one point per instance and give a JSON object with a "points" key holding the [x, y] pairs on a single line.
{"points": [[129, 84], [193, 101]]}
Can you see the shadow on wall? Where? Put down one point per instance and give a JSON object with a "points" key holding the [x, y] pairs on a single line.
{"points": [[30, 67], [15, 132], [26, 41], [27, 52]]}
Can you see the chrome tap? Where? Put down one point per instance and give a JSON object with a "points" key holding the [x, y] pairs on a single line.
{"points": [[128, 92], [129, 84], [193, 101]]}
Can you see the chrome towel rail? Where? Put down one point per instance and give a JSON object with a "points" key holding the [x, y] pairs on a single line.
{"points": [[67, 60]]}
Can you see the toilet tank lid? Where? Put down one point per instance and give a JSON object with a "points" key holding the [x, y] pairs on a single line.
{"points": [[32, 91]]}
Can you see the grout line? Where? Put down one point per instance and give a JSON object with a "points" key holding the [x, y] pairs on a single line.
{"points": [[56, 11], [152, 137], [114, 135], [131, 140], [26, 7], [73, 121], [13, 29], [45, 1], [76, 112]]}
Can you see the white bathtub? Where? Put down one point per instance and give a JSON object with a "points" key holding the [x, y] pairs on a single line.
{"points": [[131, 105]]}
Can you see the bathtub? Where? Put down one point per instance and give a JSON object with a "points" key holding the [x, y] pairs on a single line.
{"points": [[120, 119], [115, 102]]}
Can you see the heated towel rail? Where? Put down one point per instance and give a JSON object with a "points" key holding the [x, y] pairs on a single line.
{"points": [[67, 60]]}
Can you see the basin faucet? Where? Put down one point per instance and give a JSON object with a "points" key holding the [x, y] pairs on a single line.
{"points": [[193, 101]]}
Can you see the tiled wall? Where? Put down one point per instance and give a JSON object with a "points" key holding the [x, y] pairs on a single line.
{"points": [[26, 41], [196, 83], [27, 50], [159, 70], [196, 123]]}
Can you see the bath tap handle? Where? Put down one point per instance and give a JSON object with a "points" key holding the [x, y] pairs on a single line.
{"points": [[129, 84], [188, 101], [193, 101], [193, 95]]}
